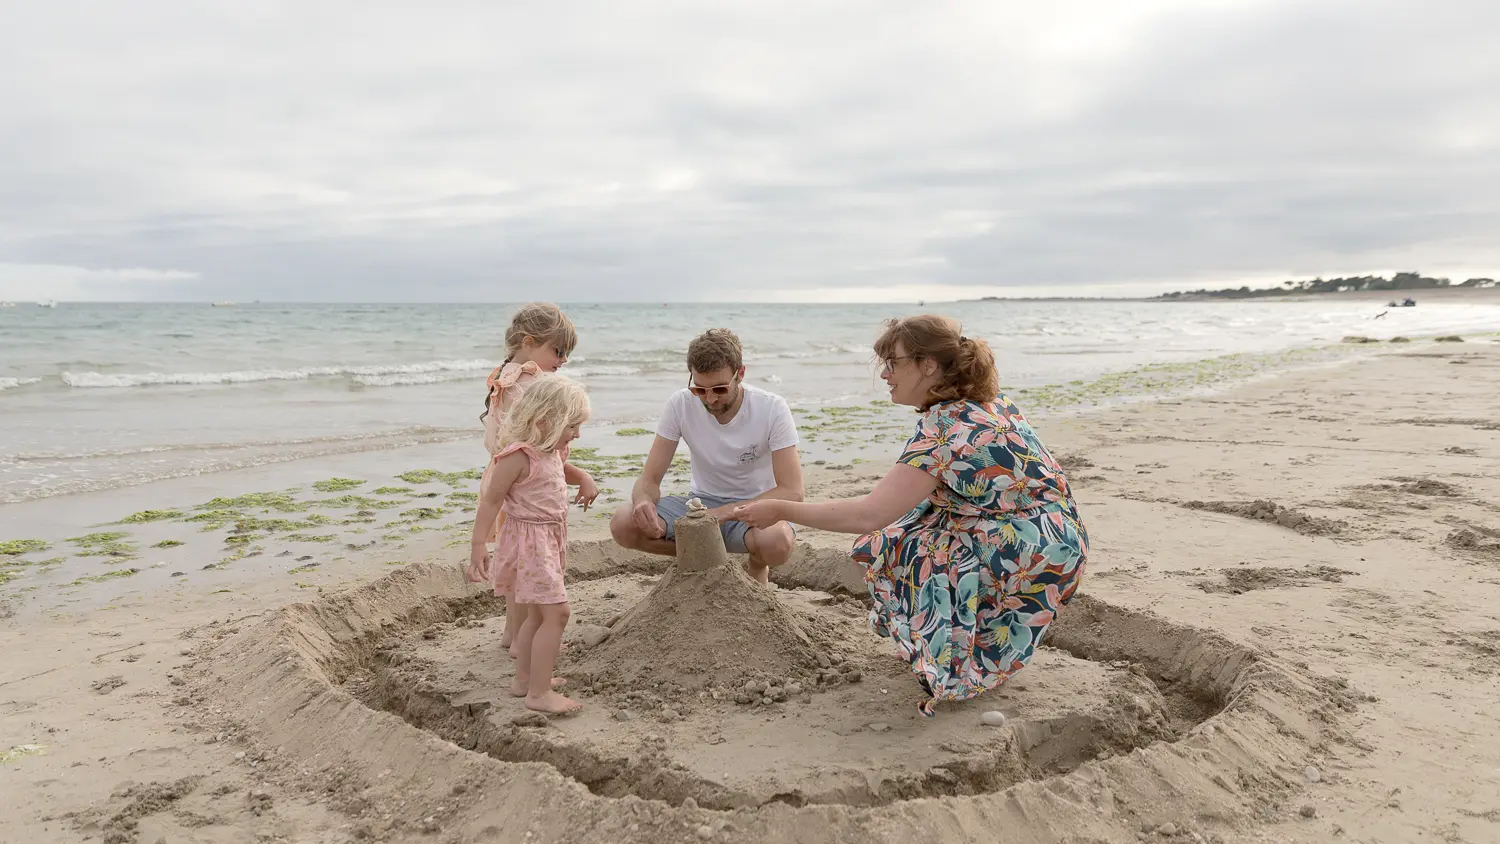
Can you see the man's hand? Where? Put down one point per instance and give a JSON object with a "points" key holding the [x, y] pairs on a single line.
{"points": [[647, 521], [759, 514], [588, 490]]}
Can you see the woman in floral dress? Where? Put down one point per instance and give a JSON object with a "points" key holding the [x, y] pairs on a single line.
{"points": [[972, 542]]}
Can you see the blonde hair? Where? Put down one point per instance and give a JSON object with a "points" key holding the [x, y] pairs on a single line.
{"points": [[541, 321], [541, 415], [967, 365], [544, 322]]}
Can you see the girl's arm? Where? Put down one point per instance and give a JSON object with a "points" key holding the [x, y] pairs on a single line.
{"points": [[902, 488], [498, 479], [588, 490]]}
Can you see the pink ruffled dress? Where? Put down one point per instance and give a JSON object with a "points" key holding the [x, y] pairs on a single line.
{"points": [[530, 549]]}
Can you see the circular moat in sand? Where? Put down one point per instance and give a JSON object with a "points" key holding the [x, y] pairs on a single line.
{"points": [[397, 694]]}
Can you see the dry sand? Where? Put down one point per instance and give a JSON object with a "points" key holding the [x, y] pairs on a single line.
{"points": [[1290, 631]]}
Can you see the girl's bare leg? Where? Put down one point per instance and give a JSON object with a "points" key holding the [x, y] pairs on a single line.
{"points": [[515, 616], [546, 623], [521, 650]]}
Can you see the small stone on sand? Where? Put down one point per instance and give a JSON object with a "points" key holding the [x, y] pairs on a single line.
{"points": [[593, 635], [879, 727], [1167, 829], [993, 718], [1312, 774], [794, 689], [705, 832], [623, 715], [1308, 810]]}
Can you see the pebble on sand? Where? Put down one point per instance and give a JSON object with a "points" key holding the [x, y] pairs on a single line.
{"points": [[993, 718], [1167, 829], [1312, 774], [705, 832]]}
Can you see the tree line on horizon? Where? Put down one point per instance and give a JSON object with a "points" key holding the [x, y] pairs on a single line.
{"points": [[1400, 281]]}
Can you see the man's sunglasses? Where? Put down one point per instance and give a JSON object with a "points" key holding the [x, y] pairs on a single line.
{"points": [[717, 389]]}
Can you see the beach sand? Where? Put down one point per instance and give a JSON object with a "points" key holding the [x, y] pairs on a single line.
{"points": [[1289, 631]]}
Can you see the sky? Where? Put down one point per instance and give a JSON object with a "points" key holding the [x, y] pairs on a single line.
{"points": [[743, 151]]}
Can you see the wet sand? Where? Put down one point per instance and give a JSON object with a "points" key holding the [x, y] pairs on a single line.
{"points": [[1288, 631]]}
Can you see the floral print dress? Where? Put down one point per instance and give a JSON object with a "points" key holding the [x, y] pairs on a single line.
{"points": [[967, 583]]}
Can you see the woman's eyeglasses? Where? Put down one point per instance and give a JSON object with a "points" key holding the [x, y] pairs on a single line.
{"points": [[888, 365]]}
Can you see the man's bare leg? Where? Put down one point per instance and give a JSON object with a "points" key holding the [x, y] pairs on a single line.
{"points": [[768, 547], [627, 535]]}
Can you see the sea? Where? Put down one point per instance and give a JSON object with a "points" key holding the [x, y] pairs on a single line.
{"points": [[100, 396]]}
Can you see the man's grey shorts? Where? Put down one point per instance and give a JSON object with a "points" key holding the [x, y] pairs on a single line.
{"points": [[673, 507]]}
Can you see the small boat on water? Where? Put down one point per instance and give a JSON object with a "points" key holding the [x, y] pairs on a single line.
{"points": [[223, 304], [1408, 302], [7, 304], [46, 303]]}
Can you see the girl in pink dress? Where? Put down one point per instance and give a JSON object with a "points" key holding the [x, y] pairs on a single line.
{"points": [[525, 482], [539, 339]]}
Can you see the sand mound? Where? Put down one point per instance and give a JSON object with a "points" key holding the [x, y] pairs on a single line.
{"points": [[1240, 581], [706, 622], [1270, 511], [1475, 542], [715, 626]]}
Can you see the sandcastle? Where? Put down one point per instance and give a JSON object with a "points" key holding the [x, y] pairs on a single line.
{"points": [[706, 621]]}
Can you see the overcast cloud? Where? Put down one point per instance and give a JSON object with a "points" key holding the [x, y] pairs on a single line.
{"points": [[346, 151]]}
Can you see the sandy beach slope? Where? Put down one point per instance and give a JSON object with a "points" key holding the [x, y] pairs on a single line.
{"points": [[1290, 631]]}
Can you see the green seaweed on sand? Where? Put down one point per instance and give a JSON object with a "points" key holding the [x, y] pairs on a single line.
{"points": [[150, 516], [427, 476], [243, 538], [301, 569], [105, 544], [168, 543], [21, 751], [309, 537], [16, 547], [394, 490], [279, 501], [463, 497], [109, 575], [358, 501], [633, 432], [424, 513], [336, 484]]}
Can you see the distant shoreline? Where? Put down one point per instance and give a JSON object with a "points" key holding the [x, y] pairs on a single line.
{"points": [[1441, 294]]}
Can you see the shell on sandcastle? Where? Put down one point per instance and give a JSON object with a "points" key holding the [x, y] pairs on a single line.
{"points": [[700, 545], [706, 621]]}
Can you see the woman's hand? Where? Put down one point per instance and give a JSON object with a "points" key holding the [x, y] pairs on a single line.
{"points": [[760, 514], [587, 491]]}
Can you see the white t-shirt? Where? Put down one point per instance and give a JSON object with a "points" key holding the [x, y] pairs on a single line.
{"points": [[731, 460]]}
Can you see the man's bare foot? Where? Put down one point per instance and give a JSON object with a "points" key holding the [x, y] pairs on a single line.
{"points": [[554, 703], [521, 689]]}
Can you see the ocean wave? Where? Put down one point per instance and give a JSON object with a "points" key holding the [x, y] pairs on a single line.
{"points": [[12, 383], [97, 380], [414, 433], [410, 379]]}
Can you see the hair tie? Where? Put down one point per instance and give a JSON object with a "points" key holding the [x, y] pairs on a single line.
{"points": [[962, 339]]}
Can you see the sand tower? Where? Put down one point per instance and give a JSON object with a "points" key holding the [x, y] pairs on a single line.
{"points": [[706, 621]]}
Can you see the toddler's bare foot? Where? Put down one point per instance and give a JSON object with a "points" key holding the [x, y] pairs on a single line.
{"points": [[521, 689], [554, 703]]}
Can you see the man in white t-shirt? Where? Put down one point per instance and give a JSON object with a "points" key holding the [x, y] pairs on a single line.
{"points": [[742, 444]]}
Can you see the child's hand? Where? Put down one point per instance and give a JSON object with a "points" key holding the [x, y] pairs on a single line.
{"points": [[479, 565], [587, 491]]}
